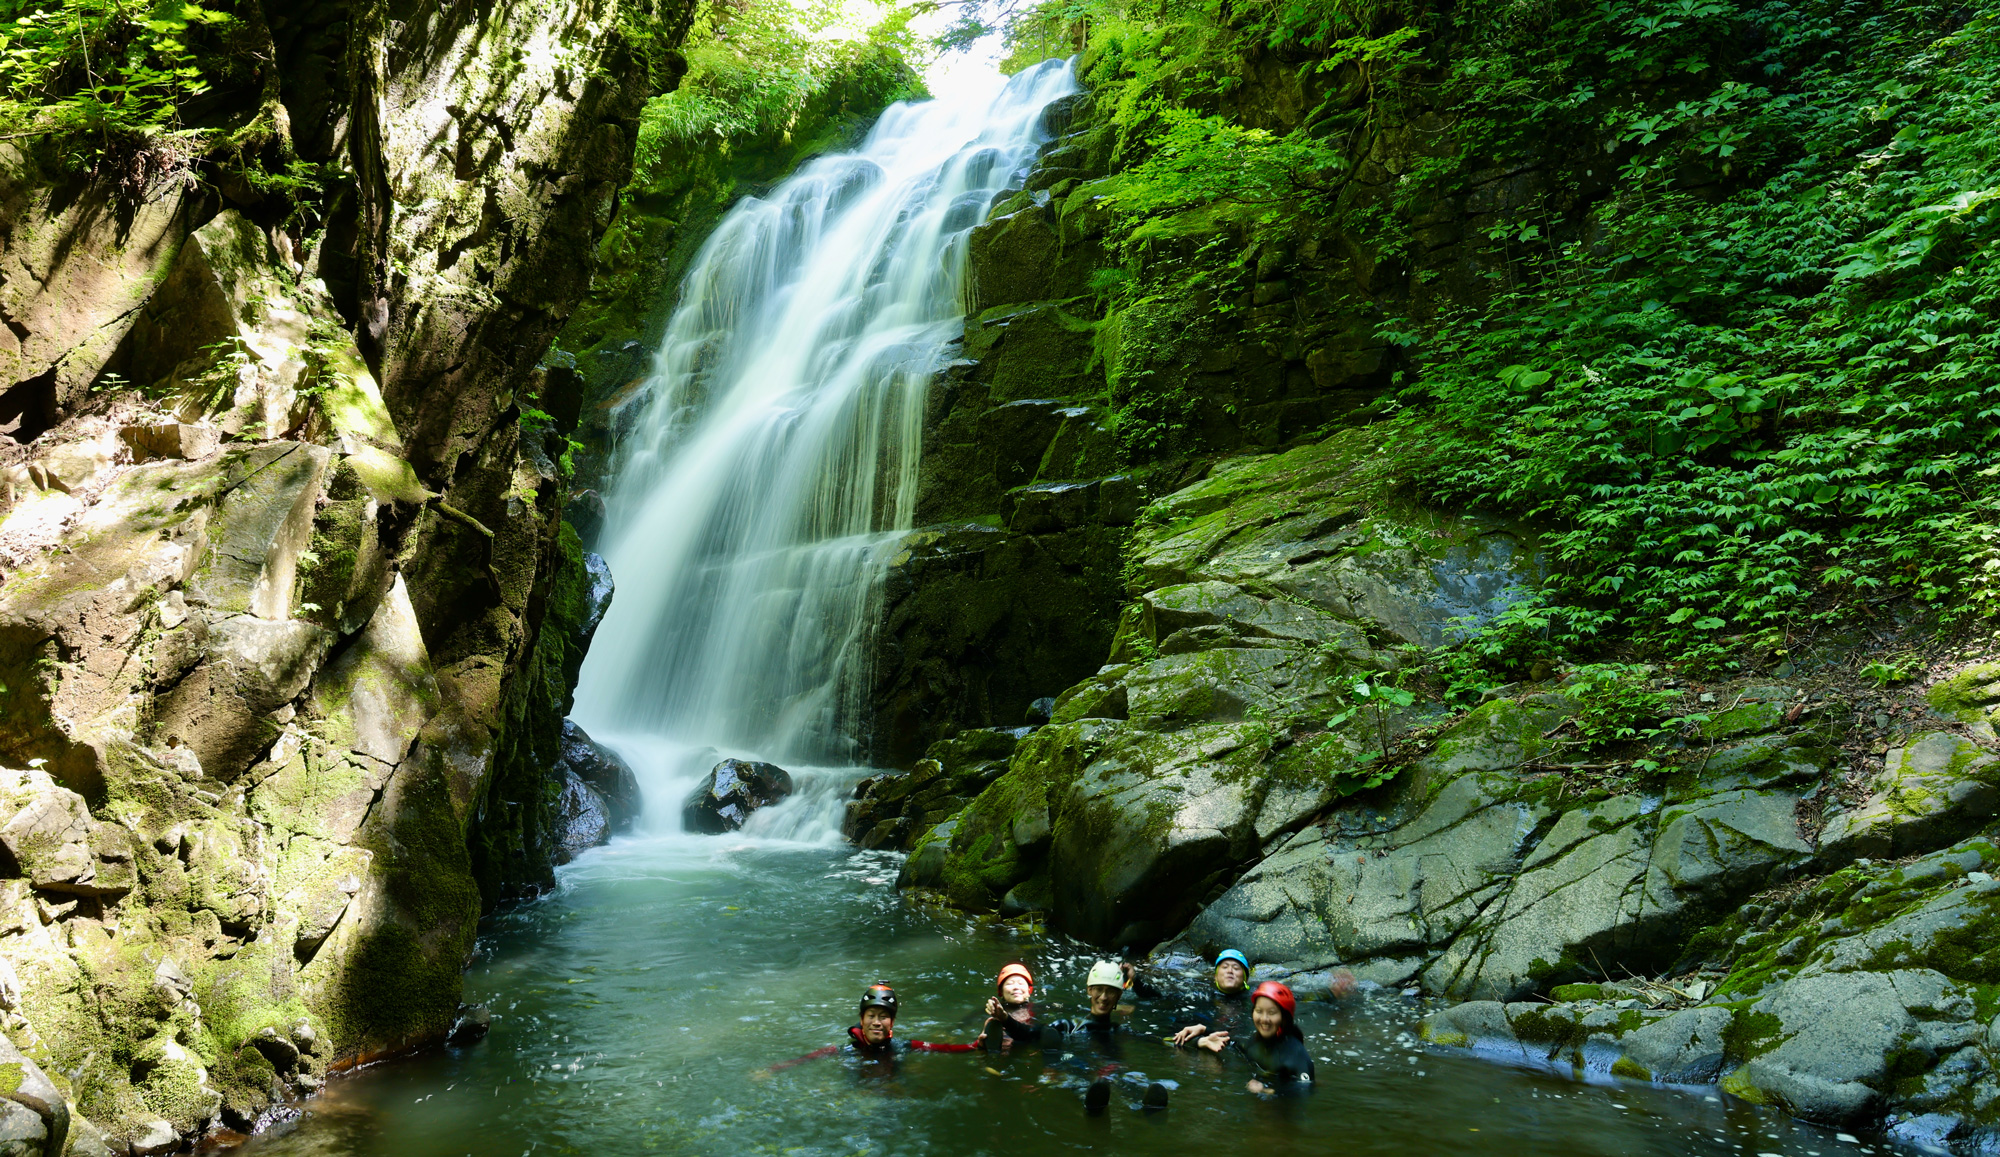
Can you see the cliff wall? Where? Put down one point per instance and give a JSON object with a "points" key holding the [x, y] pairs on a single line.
{"points": [[285, 589]]}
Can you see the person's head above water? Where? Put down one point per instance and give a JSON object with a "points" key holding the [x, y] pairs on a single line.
{"points": [[1105, 984], [1272, 1008], [1232, 971], [878, 1014], [1016, 983]]}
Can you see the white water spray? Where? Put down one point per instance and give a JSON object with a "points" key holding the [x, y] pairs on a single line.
{"points": [[776, 457]]}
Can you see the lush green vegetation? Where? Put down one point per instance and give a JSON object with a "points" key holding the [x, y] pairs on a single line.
{"points": [[754, 69], [1721, 321], [98, 74]]}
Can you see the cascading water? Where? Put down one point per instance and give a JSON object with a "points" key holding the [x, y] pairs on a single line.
{"points": [[778, 449]]}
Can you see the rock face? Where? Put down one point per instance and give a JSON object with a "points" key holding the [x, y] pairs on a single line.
{"points": [[1263, 595], [893, 809], [287, 626], [731, 792], [1482, 883], [1858, 998]]}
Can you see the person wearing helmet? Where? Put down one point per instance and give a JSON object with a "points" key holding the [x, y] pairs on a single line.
{"points": [[1106, 986], [874, 1038], [1276, 1049], [1231, 1006], [1010, 1015]]}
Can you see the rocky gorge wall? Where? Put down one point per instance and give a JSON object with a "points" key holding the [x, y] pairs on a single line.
{"points": [[289, 619]]}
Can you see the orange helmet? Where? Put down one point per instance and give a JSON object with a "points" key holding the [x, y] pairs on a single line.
{"points": [[1015, 969]]}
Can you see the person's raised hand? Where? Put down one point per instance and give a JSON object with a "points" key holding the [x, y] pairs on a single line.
{"points": [[993, 1007], [1189, 1033], [1215, 1042]]}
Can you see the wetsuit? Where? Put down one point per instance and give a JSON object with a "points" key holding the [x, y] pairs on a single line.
{"points": [[859, 1046], [1014, 1033], [1227, 1012], [1284, 1064]]}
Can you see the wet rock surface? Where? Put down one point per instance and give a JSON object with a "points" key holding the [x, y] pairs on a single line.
{"points": [[731, 792], [891, 810], [1265, 593], [1860, 1000], [599, 795]]}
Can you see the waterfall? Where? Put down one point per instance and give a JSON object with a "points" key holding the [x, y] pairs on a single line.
{"points": [[774, 463]]}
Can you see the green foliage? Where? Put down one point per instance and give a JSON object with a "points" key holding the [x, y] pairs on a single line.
{"points": [[1725, 333], [1523, 641], [1615, 702], [1759, 382], [1198, 160], [1892, 670], [95, 71], [753, 68]]}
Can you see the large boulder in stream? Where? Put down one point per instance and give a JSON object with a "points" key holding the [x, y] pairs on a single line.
{"points": [[598, 795], [731, 792]]}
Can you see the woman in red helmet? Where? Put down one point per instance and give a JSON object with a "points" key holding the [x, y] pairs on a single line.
{"points": [[1010, 1017], [1277, 1050], [875, 1037]]}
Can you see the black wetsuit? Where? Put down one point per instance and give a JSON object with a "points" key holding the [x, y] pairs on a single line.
{"points": [[1226, 1012], [1014, 1034], [1102, 1034], [1283, 1064]]}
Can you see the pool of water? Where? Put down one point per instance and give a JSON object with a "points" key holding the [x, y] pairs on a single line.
{"points": [[634, 1008]]}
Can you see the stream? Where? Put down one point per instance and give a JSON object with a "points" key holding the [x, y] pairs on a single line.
{"points": [[637, 1008], [633, 1007]]}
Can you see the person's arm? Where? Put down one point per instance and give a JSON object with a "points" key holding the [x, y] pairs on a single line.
{"points": [[924, 1046], [814, 1055]]}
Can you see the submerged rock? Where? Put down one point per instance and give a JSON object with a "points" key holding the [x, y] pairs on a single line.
{"points": [[731, 792]]}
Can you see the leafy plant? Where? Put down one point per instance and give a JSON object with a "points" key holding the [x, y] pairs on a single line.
{"points": [[1615, 702], [1894, 670], [103, 75]]}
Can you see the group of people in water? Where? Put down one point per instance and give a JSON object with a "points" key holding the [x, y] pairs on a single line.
{"points": [[1257, 1026]]}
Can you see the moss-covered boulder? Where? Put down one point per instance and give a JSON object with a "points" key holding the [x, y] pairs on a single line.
{"points": [[895, 809], [1931, 790], [1862, 1000]]}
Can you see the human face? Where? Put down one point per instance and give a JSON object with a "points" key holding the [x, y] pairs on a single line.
{"points": [[1016, 990], [1270, 1019], [876, 1025], [1229, 976], [1104, 998]]}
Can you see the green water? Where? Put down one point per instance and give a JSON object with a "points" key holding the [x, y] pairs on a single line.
{"points": [[632, 1007]]}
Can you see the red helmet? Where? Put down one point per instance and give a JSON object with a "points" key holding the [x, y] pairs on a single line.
{"points": [[1015, 969], [1279, 995]]}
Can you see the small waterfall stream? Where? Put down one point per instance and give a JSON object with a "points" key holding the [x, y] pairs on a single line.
{"points": [[780, 439]]}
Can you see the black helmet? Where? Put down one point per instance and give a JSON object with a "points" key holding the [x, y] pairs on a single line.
{"points": [[879, 996]]}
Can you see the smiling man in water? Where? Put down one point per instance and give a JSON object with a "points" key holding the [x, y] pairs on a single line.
{"points": [[874, 1038]]}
